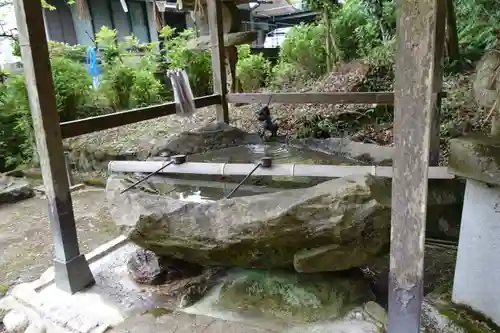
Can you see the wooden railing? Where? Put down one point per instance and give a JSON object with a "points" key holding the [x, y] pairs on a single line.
{"points": [[93, 124]]}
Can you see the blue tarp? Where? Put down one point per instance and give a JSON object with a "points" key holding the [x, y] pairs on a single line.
{"points": [[93, 68]]}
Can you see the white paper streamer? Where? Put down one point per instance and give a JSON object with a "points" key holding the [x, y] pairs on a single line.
{"points": [[183, 95]]}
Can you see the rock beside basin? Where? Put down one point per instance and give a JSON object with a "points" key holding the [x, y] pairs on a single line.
{"points": [[304, 303], [13, 190], [333, 226]]}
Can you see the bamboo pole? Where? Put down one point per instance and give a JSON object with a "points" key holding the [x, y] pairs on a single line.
{"points": [[242, 169]]}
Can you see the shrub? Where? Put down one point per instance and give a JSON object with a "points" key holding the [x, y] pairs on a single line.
{"points": [[285, 75], [252, 69], [17, 143], [116, 85], [72, 52], [304, 47], [16, 138], [146, 89], [382, 55], [72, 85], [196, 63], [477, 23], [128, 77]]}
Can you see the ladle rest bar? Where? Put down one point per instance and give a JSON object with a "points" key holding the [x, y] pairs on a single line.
{"points": [[241, 169]]}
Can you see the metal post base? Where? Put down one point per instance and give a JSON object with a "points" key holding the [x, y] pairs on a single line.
{"points": [[74, 275]]}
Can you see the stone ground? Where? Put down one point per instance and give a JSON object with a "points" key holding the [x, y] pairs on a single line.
{"points": [[25, 237], [183, 323]]}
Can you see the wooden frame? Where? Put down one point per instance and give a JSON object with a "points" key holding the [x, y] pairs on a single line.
{"points": [[318, 97], [88, 125], [418, 65], [416, 99], [93, 124], [71, 269]]}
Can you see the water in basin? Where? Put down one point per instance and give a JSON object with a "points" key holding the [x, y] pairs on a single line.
{"points": [[200, 188]]}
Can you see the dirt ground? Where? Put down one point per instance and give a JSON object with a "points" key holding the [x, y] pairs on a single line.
{"points": [[25, 237]]}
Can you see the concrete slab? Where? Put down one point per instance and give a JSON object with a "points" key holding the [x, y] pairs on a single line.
{"points": [[111, 300], [477, 273]]}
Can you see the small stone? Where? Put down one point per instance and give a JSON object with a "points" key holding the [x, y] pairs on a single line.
{"points": [[145, 267], [16, 322], [376, 312]]}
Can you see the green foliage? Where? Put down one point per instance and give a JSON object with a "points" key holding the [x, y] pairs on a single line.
{"points": [[146, 89], [304, 47], [477, 23], [16, 141], [129, 77], [285, 75], [196, 63], [72, 52], [358, 31], [72, 85], [46, 4], [382, 56], [252, 69], [16, 47]]}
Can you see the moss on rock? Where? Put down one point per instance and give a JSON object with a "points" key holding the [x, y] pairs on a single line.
{"points": [[476, 157], [440, 315], [295, 297]]}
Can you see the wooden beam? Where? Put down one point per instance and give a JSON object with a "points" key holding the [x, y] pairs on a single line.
{"points": [[72, 272], [318, 97], [214, 9], [451, 31], [438, 25], [413, 117], [93, 124], [324, 97]]}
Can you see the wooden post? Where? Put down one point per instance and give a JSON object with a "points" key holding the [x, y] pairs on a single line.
{"points": [[72, 272], [452, 34], [413, 118], [438, 26], [214, 10]]}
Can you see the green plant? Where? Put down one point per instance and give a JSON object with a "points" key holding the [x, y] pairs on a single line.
{"points": [[128, 76], [477, 23], [284, 75], [304, 48], [106, 40], [252, 69], [116, 85], [16, 138], [73, 52], [146, 89], [383, 54], [196, 63], [72, 85]]}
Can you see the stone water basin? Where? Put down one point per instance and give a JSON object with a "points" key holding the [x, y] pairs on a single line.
{"points": [[287, 246]]}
